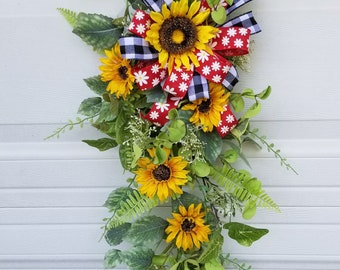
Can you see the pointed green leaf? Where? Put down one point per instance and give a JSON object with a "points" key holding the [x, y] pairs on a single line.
{"points": [[69, 15], [160, 156], [96, 85], [90, 106], [147, 229], [214, 248], [230, 156], [138, 258], [237, 102], [252, 111], [212, 145], [245, 235], [97, 31], [265, 93], [102, 144], [112, 259], [114, 236], [116, 197], [213, 264]]}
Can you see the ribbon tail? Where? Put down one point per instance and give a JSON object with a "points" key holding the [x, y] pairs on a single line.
{"points": [[136, 48], [227, 123], [148, 75], [237, 4], [156, 5], [245, 20], [231, 79]]}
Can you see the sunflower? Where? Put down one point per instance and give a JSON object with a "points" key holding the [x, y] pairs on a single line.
{"points": [[162, 180], [207, 112], [178, 32], [117, 71], [188, 226]]}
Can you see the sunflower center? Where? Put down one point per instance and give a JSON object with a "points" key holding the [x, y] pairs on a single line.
{"points": [[204, 106], [122, 71], [187, 225], [177, 35], [161, 173]]}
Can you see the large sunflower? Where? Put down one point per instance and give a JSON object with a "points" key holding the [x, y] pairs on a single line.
{"points": [[189, 228], [162, 180], [177, 32], [117, 71], [207, 112]]}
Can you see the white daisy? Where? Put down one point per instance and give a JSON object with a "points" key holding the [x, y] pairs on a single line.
{"points": [[224, 129], [216, 78], [140, 28], [170, 90], [183, 87], [226, 69], [131, 26], [225, 41], [206, 70], [173, 77], [184, 76], [203, 56], [155, 81], [238, 43], [229, 118], [154, 115], [163, 74], [162, 106], [141, 77], [155, 68], [243, 31], [139, 15], [231, 32], [216, 66]]}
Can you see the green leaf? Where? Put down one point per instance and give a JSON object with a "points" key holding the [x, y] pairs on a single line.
{"points": [[102, 144], [230, 156], [97, 31], [245, 235], [212, 145], [252, 111], [147, 229], [160, 155], [213, 264], [176, 130], [230, 2], [155, 94], [138, 258], [237, 102], [106, 113], [112, 259], [265, 93], [248, 93], [137, 153], [90, 106], [249, 210], [96, 85], [200, 168], [219, 15], [116, 197], [69, 15], [173, 114], [213, 3], [214, 248], [114, 236], [191, 264]]}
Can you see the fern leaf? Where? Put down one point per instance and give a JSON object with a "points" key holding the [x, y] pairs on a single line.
{"points": [[134, 206], [231, 181], [69, 15]]}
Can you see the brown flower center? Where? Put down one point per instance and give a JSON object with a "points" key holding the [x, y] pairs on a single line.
{"points": [[177, 35], [204, 106], [122, 71], [187, 225], [161, 173]]}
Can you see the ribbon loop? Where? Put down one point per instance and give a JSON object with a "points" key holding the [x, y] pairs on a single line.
{"points": [[148, 76], [231, 79], [156, 5], [140, 23], [245, 20], [136, 48], [198, 88], [232, 41]]}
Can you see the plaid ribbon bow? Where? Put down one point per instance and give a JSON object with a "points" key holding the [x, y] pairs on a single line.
{"points": [[231, 40]]}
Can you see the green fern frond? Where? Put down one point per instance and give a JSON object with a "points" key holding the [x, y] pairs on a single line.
{"points": [[231, 180], [69, 15], [134, 206]]}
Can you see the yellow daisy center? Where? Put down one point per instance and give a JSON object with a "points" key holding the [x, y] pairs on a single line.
{"points": [[177, 35], [161, 173]]}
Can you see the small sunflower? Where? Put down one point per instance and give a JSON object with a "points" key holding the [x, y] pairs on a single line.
{"points": [[188, 227], [162, 180], [117, 71], [177, 32], [207, 112]]}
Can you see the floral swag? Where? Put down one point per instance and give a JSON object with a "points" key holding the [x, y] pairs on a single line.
{"points": [[164, 100]]}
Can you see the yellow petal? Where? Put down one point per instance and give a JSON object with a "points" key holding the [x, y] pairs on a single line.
{"points": [[200, 17], [194, 7]]}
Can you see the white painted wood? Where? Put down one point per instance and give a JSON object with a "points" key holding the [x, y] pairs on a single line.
{"points": [[51, 192]]}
